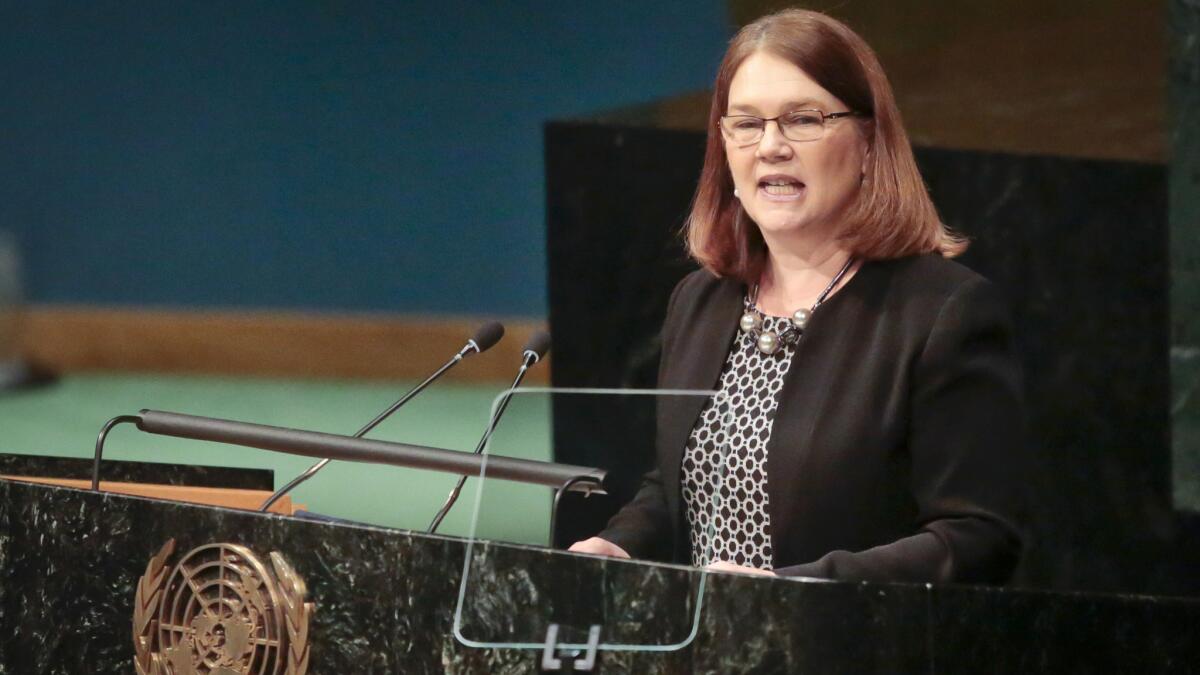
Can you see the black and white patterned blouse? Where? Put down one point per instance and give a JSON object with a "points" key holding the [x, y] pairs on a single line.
{"points": [[727, 507]]}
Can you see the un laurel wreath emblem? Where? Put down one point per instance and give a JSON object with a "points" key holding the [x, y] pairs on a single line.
{"points": [[220, 611]]}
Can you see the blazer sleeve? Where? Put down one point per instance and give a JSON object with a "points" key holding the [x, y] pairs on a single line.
{"points": [[967, 450], [643, 526]]}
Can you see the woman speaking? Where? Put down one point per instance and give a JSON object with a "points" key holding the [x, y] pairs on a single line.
{"points": [[870, 424]]}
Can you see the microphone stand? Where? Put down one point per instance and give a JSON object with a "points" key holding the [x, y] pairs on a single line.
{"points": [[531, 357], [469, 348]]}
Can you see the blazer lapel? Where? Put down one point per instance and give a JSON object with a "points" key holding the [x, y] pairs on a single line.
{"points": [[701, 347], [803, 400]]}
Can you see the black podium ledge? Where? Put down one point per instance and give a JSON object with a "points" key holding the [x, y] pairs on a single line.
{"points": [[48, 466], [384, 602]]}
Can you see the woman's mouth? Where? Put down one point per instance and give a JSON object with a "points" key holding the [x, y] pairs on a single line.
{"points": [[781, 188]]}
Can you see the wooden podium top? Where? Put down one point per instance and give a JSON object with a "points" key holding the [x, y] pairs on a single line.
{"points": [[233, 498]]}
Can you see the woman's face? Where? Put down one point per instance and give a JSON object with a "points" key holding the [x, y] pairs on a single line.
{"points": [[792, 187]]}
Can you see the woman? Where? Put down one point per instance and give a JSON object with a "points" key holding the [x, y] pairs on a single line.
{"points": [[870, 422]]}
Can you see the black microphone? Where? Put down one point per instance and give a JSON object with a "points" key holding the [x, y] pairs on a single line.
{"points": [[486, 337], [534, 350]]}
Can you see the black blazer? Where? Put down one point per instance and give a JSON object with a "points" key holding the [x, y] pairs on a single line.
{"points": [[897, 451]]}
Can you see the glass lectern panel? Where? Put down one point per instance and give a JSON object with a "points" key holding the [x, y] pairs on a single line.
{"points": [[510, 596]]}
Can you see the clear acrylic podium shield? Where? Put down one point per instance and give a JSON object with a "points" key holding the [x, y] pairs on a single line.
{"points": [[619, 605]]}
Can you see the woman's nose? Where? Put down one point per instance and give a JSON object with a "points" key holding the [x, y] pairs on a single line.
{"points": [[773, 144]]}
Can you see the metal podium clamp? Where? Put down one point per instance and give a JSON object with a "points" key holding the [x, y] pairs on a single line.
{"points": [[569, 485], [108, 426], [552, 662]]}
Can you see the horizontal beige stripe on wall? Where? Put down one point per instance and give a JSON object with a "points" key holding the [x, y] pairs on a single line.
{"points": [[71, 339]]}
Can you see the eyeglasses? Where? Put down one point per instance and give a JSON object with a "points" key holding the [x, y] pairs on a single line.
{"points": [[797, 125]]}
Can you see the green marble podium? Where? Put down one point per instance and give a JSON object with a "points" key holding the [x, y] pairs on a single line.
{"points": [[385, 601]]}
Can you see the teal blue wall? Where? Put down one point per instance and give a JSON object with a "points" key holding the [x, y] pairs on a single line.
{"points": [[311, 155]]}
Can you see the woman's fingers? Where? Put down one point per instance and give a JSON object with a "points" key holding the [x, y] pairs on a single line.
{"points": [[598, 546], [722, 566]]}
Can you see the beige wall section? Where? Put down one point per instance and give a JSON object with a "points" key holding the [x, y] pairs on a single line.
{"points": [[68, 339], [1079, 78]]}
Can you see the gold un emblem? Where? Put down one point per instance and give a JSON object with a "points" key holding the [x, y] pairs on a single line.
{"points": [[220, 611]]}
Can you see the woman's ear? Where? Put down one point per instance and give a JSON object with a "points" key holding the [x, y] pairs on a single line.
{"points": [[867, 138]]}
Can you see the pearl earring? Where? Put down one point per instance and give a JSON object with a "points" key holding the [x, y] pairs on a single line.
{"points": [[736, 194]]}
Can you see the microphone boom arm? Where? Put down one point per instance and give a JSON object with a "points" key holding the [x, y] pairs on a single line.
{"points": [[485, 337], [312, 470], [535, 348], [487, 435]]}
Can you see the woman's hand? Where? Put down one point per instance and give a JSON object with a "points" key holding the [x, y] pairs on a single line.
{"points": [[598, 546], [723, 566]]}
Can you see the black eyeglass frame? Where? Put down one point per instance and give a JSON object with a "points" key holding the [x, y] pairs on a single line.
{"points": [[764, 120]]}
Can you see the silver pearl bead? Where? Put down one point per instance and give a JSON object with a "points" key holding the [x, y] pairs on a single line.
{"points": [[768, 342], [800, 318], [749, 322]]}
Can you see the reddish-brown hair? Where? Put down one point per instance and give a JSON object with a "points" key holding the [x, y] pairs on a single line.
{"points": [[892, 215]]}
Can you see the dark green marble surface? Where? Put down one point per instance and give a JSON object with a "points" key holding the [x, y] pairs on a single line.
{"points": [[385, 602], [1185, 251]]}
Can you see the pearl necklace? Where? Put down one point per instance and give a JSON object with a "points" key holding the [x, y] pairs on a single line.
{"points": [[768, 341]]}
